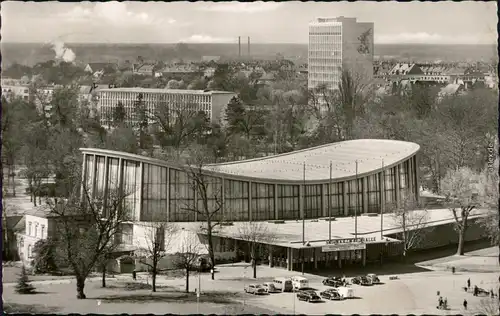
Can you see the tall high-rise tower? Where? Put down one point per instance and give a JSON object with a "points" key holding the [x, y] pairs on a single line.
{"points": [[336, 44]]}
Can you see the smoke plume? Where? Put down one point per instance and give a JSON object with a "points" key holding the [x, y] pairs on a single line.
{"points": [[63, 53]]}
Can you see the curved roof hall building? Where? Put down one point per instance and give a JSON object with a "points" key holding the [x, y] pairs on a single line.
{"points": [[366, 175]]}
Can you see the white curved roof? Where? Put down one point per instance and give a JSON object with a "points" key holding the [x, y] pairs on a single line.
{"points": [[343, 155]]}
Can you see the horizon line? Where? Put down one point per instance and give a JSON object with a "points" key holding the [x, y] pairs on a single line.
{"points": [[236, 43]]}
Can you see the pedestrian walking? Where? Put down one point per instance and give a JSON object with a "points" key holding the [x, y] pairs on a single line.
{"points": [[465, 304], [476, 290], [445, 303], [440, 302], [468, 283], [134, 275]]}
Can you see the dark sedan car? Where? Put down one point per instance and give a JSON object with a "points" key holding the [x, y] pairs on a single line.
{"points": [[308, 296], [361, 280], [331, 294], [333, 282]]}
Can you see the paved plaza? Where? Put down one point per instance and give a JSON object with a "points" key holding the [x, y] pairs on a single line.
{"points": [[411, 293]]}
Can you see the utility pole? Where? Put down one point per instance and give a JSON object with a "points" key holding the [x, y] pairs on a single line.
{"points": [[330, 206], [382, 208], [303, 215], [357, 204]]}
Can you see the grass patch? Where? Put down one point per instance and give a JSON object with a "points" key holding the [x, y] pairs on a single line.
{"points": [[216, 297], [14, 308]]}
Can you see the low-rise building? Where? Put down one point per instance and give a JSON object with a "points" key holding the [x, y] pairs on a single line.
{"points": [[212, 102]]}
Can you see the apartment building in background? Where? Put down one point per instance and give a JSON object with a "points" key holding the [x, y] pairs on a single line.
{"points": [[337, 43], [213, 103]]}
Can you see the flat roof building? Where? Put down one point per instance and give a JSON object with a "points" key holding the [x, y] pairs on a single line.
{"points": [[213, 103], [283, 192], [337, 43], [282, 187]]}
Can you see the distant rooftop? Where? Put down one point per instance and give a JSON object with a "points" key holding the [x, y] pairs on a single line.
{"points": [[164, 91]]}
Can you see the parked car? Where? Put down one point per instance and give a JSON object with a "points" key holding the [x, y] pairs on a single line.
{"points": [[308, 296], [332, 282], [270, 288], [254, 289], [361, 280], [331, 294], [283, 284], [373, 277], [345, 292]]}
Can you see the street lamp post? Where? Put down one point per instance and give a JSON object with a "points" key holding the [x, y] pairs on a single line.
{"points": [[357, 204], [303, 215], [198, 293], [382, 208]]}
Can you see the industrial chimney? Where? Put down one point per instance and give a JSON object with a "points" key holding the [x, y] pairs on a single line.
{"points": [[248, 48], [239, 46]]}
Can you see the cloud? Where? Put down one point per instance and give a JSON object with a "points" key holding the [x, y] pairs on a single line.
{"points": [[201, 38], [113, 12], [433, 38], [242, 7]]}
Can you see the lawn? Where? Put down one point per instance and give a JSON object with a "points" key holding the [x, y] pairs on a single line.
{"points": [[126, 297]]}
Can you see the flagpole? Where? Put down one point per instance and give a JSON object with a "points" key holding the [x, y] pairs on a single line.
{"points": [[303, 214], [382, 208], [357, 204], [330, 206]]}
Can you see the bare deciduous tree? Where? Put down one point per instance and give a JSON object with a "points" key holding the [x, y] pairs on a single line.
{"points": [[412, 221], [158, 237], [208, 190], [188, 253], [460, 186], [256, 234], [86, 226]]}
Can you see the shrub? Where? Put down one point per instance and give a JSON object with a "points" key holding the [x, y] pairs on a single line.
{"points": [[23, 285], [44, 261]]}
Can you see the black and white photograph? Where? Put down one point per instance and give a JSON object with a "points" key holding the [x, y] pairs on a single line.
{"points": [[228, 158]]}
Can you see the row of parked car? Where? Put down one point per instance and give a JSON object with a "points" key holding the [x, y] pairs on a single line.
{"points": [[339, 287]]}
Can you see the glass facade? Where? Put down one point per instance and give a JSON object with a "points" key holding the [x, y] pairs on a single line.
{"points": [[154, 194], [131, 188], [236, 200], [404, 181], [390, 186], [373, 193], [336, 199], [160, 193], [312, 201], [181, 197], [288, 201], [355, 197], [213, 207], [262, 201]]}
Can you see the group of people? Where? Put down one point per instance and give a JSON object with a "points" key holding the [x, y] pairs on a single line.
{"points": [[442, 303]]}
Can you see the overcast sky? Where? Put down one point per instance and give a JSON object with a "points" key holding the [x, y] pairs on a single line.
{"points": [[266, 22]]}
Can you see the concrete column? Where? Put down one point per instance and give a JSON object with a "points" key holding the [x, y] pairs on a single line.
{"points": [[363, 254], [222, 196], [346, 203], [339, 261], [84, 178], [249, 200], [324, 199], [301, 201], [141, 185], [315, 256], [397, 186], [275, 201], [416, 172], [270, 256], [106, 179], [410, 175], [365, 195], [382, 192], [168, 194], [93, 179]]}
